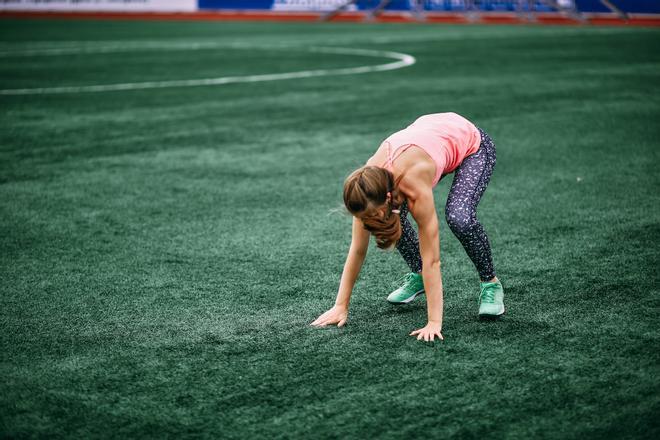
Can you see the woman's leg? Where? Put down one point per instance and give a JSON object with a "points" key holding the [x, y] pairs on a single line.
{"points": [[408, 244], [470, 181]]}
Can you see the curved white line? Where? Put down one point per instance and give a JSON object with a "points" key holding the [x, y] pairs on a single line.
{"points": [[402, 60]]}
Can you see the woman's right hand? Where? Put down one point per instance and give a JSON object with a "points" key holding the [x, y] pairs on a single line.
{"points": [[336, 315]]}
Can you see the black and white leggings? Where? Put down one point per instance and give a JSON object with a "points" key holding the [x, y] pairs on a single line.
{"points": [[470, 181]]}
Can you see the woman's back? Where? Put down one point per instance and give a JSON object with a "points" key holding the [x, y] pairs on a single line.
{"points": [[447, 138]]}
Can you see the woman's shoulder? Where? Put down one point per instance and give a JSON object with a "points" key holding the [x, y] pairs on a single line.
{"points": [[418, 165], [417, 179], [379, 158]]}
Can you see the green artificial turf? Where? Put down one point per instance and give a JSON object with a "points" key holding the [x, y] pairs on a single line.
{"points": [[163, 251]]}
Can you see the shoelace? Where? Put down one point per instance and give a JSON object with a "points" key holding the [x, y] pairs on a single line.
{"points": [[406, 279], [488, 294]]}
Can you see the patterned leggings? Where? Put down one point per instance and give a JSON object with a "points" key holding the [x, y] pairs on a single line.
{"points": [[470, 181]]}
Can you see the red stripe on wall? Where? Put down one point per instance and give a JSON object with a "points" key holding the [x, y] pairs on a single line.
{"points": [[388, 17]]}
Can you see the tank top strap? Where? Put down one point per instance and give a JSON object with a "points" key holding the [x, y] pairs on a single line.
{"points": [[391, 157], [399, 151], [388, 162]]}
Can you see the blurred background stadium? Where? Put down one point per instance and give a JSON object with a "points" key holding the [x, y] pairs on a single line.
{"points": [[630, 11], [169, 178]]}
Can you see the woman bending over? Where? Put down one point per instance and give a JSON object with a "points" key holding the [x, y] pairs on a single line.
{"points": [[399, 178]]}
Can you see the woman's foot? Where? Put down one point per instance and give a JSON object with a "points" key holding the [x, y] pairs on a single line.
{"points": [[491, 299], [413, 285]]}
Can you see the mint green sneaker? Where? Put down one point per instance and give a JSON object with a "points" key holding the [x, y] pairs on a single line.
{"points": [[491, 300], [413, 285]]}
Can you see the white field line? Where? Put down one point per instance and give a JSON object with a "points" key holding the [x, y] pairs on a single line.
{"points": [[402, 60], [117, 47]]}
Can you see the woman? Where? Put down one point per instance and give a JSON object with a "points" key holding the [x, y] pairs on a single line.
{"points": [[399, 178]]}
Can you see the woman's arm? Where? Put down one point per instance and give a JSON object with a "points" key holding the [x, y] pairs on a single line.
{"points": [[422, 209], [355, 258]]}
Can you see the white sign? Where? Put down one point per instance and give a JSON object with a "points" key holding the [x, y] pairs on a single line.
{"points": [[310, 5], [99, 5]]}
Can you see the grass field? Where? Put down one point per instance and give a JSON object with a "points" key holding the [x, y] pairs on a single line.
{"points": [[163, 251]]}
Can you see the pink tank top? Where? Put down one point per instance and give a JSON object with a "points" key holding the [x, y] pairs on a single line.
{"points": [[447, 137]]}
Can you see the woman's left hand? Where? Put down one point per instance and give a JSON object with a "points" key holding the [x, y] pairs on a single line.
{"points": [[429, 332]]}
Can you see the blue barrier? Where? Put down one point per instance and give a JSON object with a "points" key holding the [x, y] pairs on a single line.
{"points": [[235, 4], [630, 6]]}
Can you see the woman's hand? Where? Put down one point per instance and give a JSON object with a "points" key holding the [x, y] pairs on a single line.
{"points": [[429, 332], [336, 315]]}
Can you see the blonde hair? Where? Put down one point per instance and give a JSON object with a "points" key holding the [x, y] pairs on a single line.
{"points": [[365, 191]]}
